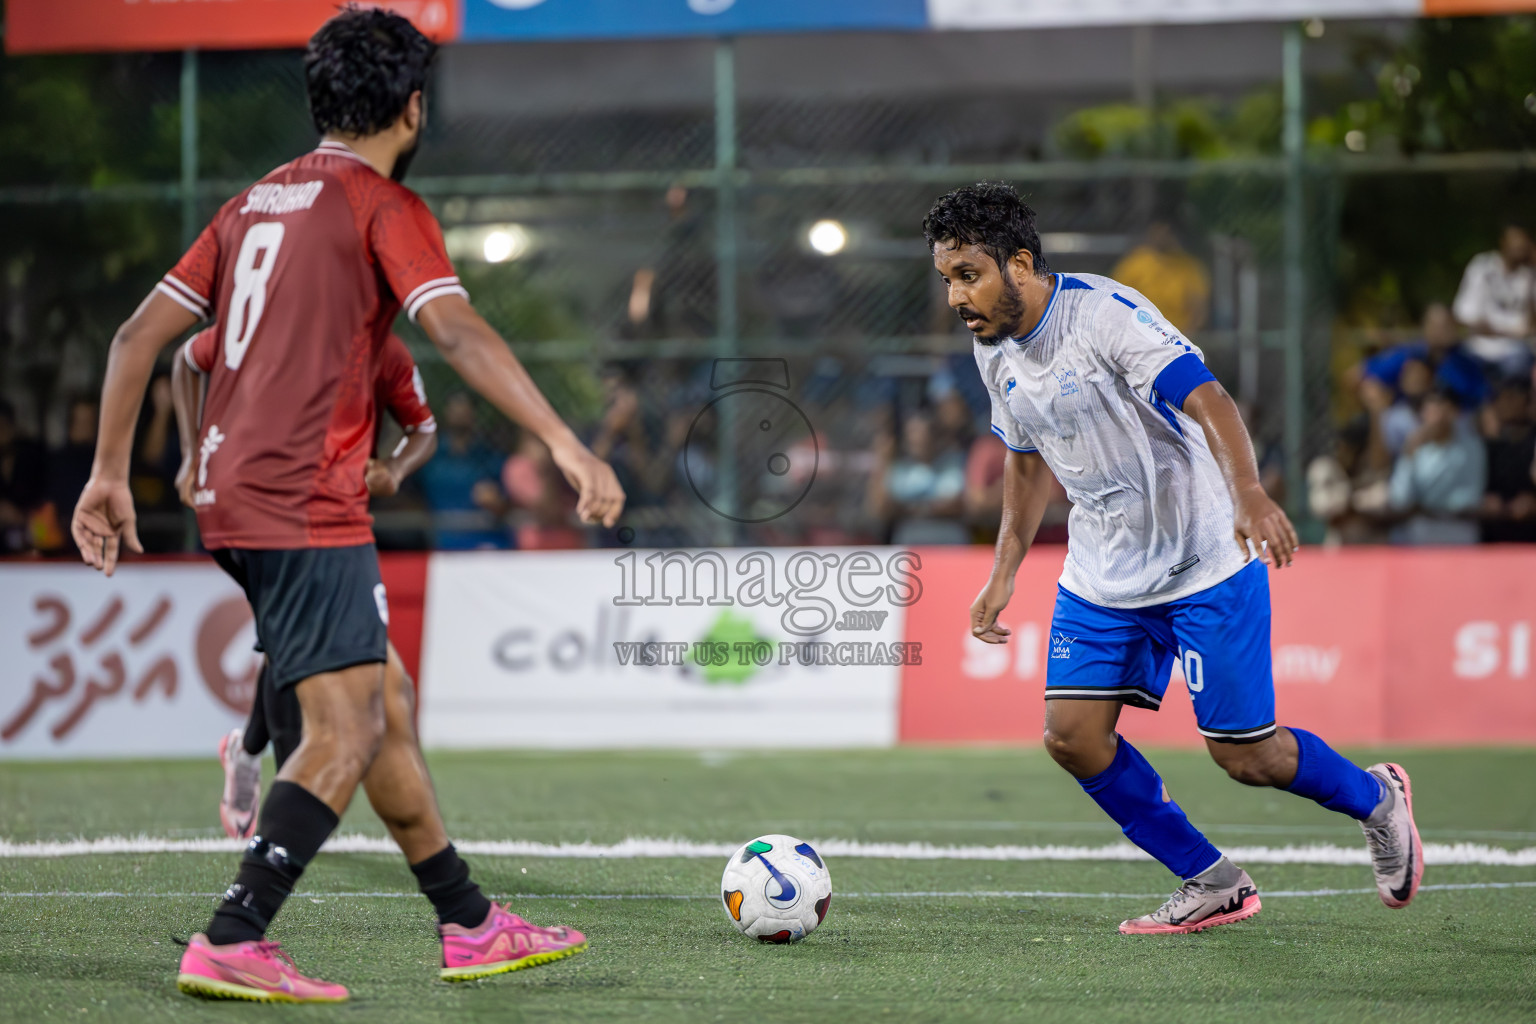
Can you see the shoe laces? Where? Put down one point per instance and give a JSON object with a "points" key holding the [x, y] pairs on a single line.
{"points": [[276, 952], [1382, 840], [1182, 895]]}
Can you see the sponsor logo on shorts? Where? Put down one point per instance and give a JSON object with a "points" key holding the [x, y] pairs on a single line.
{"points": [[1061, 645], [381, 599]]}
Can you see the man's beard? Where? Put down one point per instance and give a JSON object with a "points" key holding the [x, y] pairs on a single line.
{"points": [[403, 161], [1009, 314]]}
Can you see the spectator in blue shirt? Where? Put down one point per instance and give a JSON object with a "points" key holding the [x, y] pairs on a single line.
{"points": [[461, 484], [1455, 369]]}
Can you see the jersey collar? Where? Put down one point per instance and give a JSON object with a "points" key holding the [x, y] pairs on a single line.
{"points": [[332, 148], [1044, 317]]}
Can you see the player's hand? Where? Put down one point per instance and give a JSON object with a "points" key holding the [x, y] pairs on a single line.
{"points": [[985, 609], [381, 478], [1258, 519], [104, 521], [185, 490], [599, 498]]}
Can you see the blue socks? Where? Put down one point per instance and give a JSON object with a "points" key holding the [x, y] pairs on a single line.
{"points": [[1337, 784], [1131, 793]]}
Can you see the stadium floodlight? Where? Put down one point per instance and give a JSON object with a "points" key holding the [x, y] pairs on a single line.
{"points": [[828, 237], [505, 242]]}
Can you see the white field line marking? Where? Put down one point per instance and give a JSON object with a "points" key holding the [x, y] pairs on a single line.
{"points": [[633, 848], [1003, 894]]}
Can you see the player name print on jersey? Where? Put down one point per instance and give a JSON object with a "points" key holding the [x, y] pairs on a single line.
{"points": [[277, 198]]}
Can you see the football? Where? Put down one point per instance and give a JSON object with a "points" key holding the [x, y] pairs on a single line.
{"points": [[776, 889]]}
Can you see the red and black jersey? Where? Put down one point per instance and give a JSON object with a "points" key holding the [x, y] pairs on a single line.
{"points": [[303, 272]]}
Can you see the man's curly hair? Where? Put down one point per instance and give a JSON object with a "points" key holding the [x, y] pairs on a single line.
{"points": [[989, 214], [361, 68]]}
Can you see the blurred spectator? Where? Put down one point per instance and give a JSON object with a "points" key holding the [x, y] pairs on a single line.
{"points": [[1509, 507], [23, 482], [1394, 417], [69, 467], [1438, 481], [460, 484], [921, 490], [984, 466], [1439, 349], [1346, 491], [546, 502], [1495, 303], [1171, 279]]}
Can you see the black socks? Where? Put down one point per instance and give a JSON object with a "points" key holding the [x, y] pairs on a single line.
{"points": [[293, 825], [444, 879], [255, 737]]}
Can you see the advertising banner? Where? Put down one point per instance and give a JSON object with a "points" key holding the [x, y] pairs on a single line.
{"points": [[1007, 14], [596, 19], [711, 649], [156, 661], [73, 26], [1370, 645]]}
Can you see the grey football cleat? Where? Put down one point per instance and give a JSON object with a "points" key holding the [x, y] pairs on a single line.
{"points": [[1397, 856], [242, 787], [1219, 895]]}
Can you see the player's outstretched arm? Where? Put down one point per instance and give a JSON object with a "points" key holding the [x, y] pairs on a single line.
{"points": [[1255, 516], [474, 349], [1026, 490], [104, 518]]}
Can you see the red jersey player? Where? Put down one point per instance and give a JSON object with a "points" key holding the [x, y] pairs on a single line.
{"points": [[304, 272], [275, 716]]}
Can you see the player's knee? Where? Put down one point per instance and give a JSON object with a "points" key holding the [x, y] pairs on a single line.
{"points": [[1070, 748], [1248, 764]]}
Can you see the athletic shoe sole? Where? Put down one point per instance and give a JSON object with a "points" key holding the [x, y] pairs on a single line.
{"points": [[212, 988], [1247, 910], [1418, 848], [486, 970]]}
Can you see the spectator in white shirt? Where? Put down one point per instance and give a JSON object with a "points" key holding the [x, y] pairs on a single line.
{"points": [[1496, 301]]}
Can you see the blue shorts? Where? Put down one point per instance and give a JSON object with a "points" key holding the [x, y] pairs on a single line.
{"points": [[1220, 635]]}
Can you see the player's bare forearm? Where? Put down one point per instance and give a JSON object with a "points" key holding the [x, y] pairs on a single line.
{"points": [[104, 519], [187, 399], [413, 452], [1256, 517], [478, 354], [130, 361], [1026, 492]]}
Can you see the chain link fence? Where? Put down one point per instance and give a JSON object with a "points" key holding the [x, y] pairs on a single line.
{"points": [[637, 262]]}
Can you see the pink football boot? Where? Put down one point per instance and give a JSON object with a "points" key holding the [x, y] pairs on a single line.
{"points": [[505, 942], [258, 971]]}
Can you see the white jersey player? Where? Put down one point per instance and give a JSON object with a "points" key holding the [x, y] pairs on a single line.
{"points": [[1089, 381]]}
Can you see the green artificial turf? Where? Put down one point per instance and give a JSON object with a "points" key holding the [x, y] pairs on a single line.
{"points": [[925, 940]]}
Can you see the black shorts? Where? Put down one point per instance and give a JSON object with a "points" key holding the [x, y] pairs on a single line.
{"points": [[317, 609]]}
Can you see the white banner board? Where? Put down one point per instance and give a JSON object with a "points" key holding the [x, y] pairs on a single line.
{"points": [[156, 661], [735, 648], [1012, 14]]}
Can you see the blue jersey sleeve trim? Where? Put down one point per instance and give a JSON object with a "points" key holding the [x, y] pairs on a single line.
{"points": [[1180, 377], [1011, 446], [1044, 317], [1122, 299], [1069, 284]]}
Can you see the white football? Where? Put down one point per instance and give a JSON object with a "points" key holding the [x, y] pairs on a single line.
{"points": [[776, 889]]}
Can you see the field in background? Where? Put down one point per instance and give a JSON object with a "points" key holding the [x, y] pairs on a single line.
{"points": [[909, 940]]}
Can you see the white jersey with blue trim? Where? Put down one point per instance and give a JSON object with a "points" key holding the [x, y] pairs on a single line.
{"points": [[1151, 519]]}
